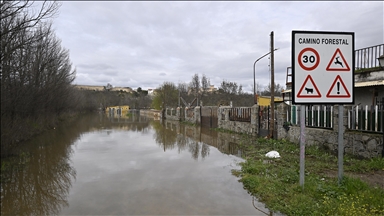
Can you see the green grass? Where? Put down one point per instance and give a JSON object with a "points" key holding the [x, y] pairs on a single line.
{"points": [[276, 181], [129, 114]]}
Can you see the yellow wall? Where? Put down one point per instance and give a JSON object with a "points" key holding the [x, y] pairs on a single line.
{"points": [[266, 101], [124, 108]]}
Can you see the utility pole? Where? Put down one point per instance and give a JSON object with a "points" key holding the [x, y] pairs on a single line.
{"points": [[272, 124]]}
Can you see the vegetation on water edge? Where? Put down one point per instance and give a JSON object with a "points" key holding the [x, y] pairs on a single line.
{"points": [[276, 181]]}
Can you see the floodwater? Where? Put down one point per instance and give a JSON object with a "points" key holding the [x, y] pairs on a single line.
{"points": [[132, 165]]}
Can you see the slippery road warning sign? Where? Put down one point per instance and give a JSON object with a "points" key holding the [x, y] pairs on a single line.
{"points": [[322, 67]]}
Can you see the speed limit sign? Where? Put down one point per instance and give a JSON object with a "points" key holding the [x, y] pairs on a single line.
{"points": [[309, 59]]}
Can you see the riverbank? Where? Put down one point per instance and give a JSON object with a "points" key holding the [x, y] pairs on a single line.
{"points": [[18, 130], [276, 181]]}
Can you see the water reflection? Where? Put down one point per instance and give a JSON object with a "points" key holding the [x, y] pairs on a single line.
{"points": [[196, 140], [43, 186], [131, 120]]}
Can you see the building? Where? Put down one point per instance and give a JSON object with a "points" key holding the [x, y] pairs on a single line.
{"points": [[117, 109], [102, 88], [266, 100]]}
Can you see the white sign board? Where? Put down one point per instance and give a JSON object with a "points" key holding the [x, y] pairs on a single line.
{"points": [[323, 67]]}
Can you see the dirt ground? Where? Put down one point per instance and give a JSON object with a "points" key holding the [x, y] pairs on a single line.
{"points": [[375, 178]]}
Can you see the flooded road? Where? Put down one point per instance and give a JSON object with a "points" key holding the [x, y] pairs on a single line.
{"points": [[98, 165]]}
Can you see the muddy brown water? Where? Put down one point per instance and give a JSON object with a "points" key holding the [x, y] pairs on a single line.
{"points": [[136, 165]]}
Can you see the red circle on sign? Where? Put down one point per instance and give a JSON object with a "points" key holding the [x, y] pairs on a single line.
{"points": [[317, 59]]}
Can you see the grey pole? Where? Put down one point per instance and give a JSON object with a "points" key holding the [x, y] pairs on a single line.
{"points": [[341, 143], [254, 84], [272, 90], [254, 72], [302, 144]]}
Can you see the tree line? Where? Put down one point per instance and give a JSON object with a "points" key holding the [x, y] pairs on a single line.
{"points": [[36, 79], [198, 92], [36, 72]]}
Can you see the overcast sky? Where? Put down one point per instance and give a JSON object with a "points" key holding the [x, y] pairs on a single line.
{"points": [[144, 44]]}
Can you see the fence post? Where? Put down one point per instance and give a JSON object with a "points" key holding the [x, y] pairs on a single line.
{"points": [[253, 114], [197, 115], [335, 117], [376, 118], [254, 118], [281, 115], [226, 113], [178, 113]]}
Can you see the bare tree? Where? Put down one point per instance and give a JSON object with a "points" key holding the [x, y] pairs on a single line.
{"points": [[36, 72], [108, 87], [195, 85], [205, 83], [278, 89], [182, 87], [16, 17], [230, 88], [258, 88]]}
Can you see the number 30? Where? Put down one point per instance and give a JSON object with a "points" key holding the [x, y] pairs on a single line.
{"points": [[311, 59]]}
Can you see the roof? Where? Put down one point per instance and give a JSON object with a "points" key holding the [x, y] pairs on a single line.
{"points": [[369, 83], [269, 97]]}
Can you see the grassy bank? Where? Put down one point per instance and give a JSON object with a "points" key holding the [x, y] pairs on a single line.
{"points": [[276, 181]]}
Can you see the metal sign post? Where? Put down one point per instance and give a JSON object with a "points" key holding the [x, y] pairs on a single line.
{"points": [[340, 155], [322, 73], [302, 144]]}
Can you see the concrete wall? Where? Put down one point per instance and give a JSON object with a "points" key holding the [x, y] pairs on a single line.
{"points": [[170, 114], [250, 128], [195, 118], [369, 76], [361, 144], [358, 143], [151, 113]]}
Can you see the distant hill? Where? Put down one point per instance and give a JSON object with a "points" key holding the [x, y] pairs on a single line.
{"points": [[102, 88]]}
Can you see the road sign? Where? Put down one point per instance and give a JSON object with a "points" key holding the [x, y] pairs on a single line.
{"points": [[309, 56], [338, 89], [311, 90], [323, 67], [338, 65]]}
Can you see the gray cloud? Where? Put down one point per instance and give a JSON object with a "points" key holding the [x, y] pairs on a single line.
{"points": [[143, 44]]}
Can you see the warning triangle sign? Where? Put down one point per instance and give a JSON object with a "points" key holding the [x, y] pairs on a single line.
{"points": [[338, 62], [309, 89], [338, 89]]}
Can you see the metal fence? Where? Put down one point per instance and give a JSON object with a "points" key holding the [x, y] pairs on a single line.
{"points": [[171, 111], [315, 116], [360, 118], [240, 114], [366, 118], [367, 57], [190, 112]]}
